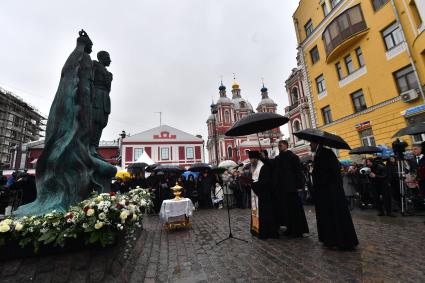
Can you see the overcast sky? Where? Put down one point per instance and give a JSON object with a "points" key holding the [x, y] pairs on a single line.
{"points": [[167, 55]]}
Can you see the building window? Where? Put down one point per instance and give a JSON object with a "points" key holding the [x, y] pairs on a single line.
{"points": [[406, 79], [416, 14], [325, 9], [359, 102], [416, 119], [377, 4], [359, 55], [349, 64], [334, 3], [320, 83], [226, 116], [314, 54], [296, 127], [229, 152], [343, 27], [308, 28], [367, 138], [137, 153], [294, 96], [165, 153], [327, 115], [189, 153], [339, 71], [392, 36]]}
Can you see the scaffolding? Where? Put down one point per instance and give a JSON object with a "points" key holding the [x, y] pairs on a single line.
{"points": [[20, 123]]}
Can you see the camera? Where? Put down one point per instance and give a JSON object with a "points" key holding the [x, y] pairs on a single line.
{"points": [[399, 147], [365, 171]]}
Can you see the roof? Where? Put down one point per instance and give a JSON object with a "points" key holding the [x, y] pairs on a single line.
{"points": [[237, 103], [162, 134], [266, 101]]}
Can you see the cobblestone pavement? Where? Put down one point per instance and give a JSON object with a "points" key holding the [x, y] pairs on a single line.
{"points": [[391, 250]]}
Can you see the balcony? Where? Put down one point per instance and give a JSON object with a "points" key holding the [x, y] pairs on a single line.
{"points": [[343, 31], [300, 102]]}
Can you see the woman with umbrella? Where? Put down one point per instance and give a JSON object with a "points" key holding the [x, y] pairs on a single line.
{"points": [[334, 224]]}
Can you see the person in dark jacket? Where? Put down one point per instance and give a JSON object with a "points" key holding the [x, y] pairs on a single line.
{"points": [[264, 222], [287, 179], [379, 178], [334, 224], [205, 186]]}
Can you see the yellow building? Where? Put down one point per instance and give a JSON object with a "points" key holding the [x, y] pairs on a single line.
{"points": [[364, 62]]}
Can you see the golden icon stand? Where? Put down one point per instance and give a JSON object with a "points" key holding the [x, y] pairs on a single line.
{"points": [[184, 223]]}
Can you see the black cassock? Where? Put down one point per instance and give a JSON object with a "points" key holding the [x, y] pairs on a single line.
{"points": [[268, 222], [334, 224], [287, 179]]}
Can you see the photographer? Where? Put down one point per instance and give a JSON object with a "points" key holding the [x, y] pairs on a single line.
{"points": [[379, 178]]}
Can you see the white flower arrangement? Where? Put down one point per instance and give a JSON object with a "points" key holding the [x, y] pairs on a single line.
{"points": [[98, 219]]}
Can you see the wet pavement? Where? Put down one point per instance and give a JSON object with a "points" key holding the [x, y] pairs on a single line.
{"points": [[390, 250]]}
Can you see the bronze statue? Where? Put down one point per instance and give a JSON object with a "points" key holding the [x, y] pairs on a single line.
{"points": [[101, 101], [66, 171]]}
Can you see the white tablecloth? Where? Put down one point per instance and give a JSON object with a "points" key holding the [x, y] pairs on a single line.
{"points": [[174, 208]]}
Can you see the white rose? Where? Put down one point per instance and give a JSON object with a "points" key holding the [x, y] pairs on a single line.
{"points": [[6, 221], [98, 225], [99, 198], [4, 228], [102, 216], [90, 212], [124, 215], [18, 226]]}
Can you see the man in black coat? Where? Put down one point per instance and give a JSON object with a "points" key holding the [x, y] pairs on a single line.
{"points": [[264, 222], [205, 186], [334, 224], [287, 179], [380, 181]]}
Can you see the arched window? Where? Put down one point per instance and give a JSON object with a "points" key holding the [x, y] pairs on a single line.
{"points": [[242, 104], [296, 127], [294, 95], [226, 116], [229, 152]]}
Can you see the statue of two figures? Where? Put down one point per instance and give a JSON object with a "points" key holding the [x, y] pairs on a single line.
{"points": [[70, 167]]}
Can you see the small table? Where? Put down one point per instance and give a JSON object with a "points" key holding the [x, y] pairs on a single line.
{"points": [[176, 213]]}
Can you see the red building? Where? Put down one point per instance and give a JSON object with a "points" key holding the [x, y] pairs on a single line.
{"points": [[298, 112], [27, 157], [228, 111], [164, 145]]}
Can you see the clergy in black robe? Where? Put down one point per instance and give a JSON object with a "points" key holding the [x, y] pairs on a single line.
{"points": [[264, 222], [287, 179], [334, 224]]}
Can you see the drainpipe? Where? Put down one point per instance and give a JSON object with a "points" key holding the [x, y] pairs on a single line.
{"points": [[409, 53]]}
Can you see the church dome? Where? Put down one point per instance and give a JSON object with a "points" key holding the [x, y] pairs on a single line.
{"points": [[222, 87], [235, 85], [266, 102], [241, 103], [223, 100]]}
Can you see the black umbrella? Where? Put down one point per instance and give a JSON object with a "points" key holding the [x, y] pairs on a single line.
{"points": [[138, 165], [256, 123], [217, 170], [168, 168], [414, 129], [321, 137], [365, 150], [150, 168], [200, 167]]}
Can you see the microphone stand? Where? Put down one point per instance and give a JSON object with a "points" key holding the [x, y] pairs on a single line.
{"points": [[230, 226]]}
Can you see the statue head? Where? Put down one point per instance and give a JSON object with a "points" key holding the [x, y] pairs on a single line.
{"points": [[84, 40], [104, 58]]}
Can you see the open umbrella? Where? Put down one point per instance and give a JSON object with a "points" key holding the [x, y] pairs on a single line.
{"points": [[150, 168], [199, 167], [322, 137], [217, 170], [367, 149], [165, 168], [137, 165], [228, 164], [256, 123], [414, 129]]}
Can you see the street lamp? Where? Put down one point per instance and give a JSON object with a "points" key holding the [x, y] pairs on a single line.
{"points": [[214, 111]]}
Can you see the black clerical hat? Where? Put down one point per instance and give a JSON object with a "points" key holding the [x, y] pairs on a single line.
{"points": [[254, 154]]}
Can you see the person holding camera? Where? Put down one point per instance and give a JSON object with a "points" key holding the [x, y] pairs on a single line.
{"points": [[379, 179]]}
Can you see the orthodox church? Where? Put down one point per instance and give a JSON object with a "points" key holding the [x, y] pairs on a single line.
{"points": [[227, 111]]}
